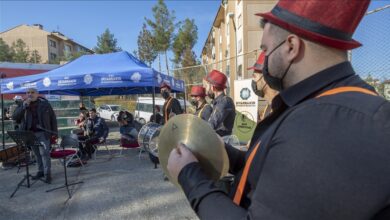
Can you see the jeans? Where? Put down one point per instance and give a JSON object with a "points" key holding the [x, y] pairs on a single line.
{"points": [[42, 153]]}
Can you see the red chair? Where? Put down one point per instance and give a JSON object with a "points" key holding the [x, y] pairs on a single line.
{"points": [[125, 145], [64, 155]]}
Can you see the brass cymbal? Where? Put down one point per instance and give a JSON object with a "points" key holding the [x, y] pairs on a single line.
{"points": [[200, 138]]}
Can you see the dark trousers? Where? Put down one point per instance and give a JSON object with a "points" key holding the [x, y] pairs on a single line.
{"points": [[86, 148]]}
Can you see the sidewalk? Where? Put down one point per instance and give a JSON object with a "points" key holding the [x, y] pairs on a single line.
{"points": [[115, 187]]}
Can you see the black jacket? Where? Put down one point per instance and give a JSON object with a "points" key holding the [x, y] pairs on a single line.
{"points": [[97, 127], [46, 116], [319, 158], [171, 105], [223, 115]]}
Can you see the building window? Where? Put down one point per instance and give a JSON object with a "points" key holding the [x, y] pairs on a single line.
{"points": [[52, 43], [68, 48], [239, 72], [53, 56]]}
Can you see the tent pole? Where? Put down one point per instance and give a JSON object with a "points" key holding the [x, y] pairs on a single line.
{"points": [[185, 100], [154, 105], [2, 76]]}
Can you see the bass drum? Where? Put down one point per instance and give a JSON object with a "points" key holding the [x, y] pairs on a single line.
{"points": [[148, 140]]}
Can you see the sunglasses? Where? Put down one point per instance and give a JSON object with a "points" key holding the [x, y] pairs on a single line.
{"points": [[30, 92]]}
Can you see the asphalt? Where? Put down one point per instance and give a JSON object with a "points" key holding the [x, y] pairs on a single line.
{"points": [[115, 187]]}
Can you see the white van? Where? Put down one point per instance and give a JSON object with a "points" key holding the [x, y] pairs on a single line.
{"points": [[144, 108]]}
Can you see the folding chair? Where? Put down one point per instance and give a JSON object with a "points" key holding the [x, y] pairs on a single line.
{"points": [[125, 145]]}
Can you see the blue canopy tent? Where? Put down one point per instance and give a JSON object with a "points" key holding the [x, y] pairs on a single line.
{"points": [[95, 75]]}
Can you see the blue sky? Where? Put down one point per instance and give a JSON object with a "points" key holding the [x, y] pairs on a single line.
{"points": [[84, 20]]}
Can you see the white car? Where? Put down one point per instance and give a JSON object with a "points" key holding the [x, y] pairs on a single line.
{"points": [[144, 108], [109, 112]]}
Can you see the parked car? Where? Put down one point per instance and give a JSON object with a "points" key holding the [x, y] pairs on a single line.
{"points": [[144, 108], [109, 112]]}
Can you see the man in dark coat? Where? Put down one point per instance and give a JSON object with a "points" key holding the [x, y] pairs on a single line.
{"points": [[37, 115], [171, 105], [224, 111], [324, 151]]}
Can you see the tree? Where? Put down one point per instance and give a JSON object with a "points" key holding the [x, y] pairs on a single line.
{"points": [[147, 52], [106, 43], [186, 38], [162, 28], [20, 52], [5, 51], [35, 57]]}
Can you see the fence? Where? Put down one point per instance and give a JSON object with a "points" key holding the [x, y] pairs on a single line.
{"points": [[372, 60]]}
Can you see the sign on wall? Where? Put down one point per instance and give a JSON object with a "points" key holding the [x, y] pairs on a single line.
{"points": [[246, 102]]}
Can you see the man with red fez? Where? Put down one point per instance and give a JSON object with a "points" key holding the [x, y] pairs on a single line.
{"points": [[224, 111], [324, 151], [203, 109], [171, 105], [260, 87]]}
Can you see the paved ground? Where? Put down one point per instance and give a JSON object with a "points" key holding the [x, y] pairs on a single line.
{"points": [[115, 187]]}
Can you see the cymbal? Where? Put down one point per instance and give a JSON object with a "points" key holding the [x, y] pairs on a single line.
{"points": [[200, 138]]}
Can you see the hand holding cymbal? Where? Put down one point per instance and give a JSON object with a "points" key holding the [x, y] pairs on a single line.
{"points": [[200, 139]]}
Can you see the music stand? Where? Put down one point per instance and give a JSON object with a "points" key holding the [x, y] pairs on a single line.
{"points": [[24, 139]]}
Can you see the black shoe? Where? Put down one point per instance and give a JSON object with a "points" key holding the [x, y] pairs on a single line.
{"points": [[37, 176], [48, 179]]}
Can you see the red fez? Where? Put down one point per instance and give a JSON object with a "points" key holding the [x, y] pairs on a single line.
{"points": [[331, 22], [198, 91], [217, 79], [165, 85], [259, 63]]}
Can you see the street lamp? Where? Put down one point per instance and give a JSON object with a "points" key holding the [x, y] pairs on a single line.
{"points": [[231, 16]]}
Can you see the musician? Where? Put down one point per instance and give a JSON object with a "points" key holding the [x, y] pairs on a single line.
{"points": [[129, 133], [35, 113], [156, 117], [260, 87], [203, 109], [96, 131], [224, 111], [323, 153], [171, 105]]}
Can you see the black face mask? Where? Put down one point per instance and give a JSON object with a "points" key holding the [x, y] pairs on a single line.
{"points": [[258, 92], [274, 82], [194, 102], [165, 94], [211, 95]]}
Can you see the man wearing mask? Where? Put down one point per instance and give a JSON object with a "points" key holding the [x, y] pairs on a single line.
{"points": [[171, 105], [203, 109], [323, 153], [37, 115], [260, 87], [224, 111]]}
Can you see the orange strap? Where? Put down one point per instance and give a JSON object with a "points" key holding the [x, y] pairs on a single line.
{"points": [[166, 109], [241, 185], [347, 89], [244, 177]]}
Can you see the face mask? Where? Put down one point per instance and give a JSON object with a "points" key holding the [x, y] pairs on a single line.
{"points": [[274, 82], [211, 95], [165, 94], [258, 92], [194, 102]]}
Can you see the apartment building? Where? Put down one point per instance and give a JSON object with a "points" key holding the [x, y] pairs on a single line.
{"points": [[233, 43], [50, 45]]}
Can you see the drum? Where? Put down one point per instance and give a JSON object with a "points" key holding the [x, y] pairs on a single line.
{"points": [[148, 138]]}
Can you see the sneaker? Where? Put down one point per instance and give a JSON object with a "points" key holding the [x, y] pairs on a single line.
{"points": [[37, 176]]}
